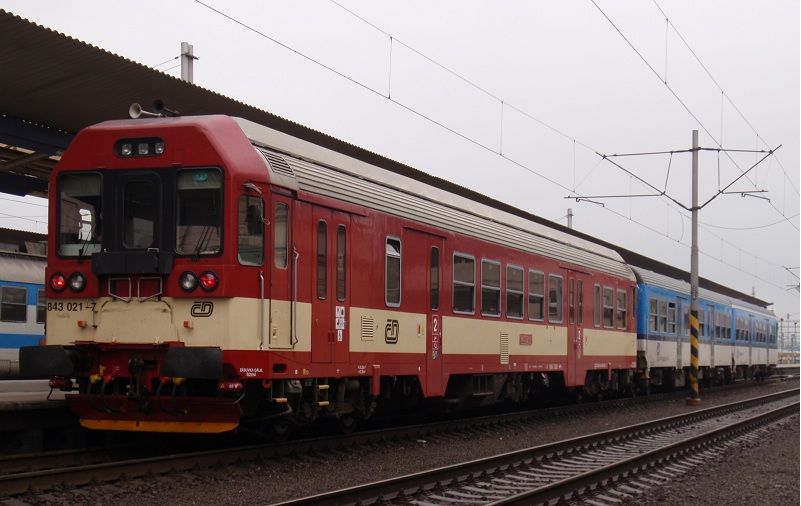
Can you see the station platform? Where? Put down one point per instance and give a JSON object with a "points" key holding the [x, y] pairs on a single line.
{"points": [[29, 422], [19, 395]]}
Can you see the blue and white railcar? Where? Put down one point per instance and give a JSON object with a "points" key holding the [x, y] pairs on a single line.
{"points": [[755, 333], [22, 307], [663, 333]]}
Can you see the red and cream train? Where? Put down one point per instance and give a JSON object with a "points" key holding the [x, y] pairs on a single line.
{"points": [[207, 271]]}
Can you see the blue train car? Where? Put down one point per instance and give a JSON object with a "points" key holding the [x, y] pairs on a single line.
{"points": [[755, 338], [663, 333], [22, 307]]}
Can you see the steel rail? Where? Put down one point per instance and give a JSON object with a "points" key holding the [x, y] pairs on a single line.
{"points": [[393, 488], [83, 456], [68, 473], [571, 486]]}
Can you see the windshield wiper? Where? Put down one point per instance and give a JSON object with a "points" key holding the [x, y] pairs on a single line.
{"points": [[85, 243], [202, 241]]}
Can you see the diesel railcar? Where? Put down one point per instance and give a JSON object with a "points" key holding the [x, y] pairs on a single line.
{"points": [[205, 272]]}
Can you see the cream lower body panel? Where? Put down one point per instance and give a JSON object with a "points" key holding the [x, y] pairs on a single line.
{"points": [[608, 343], [229, 323], [471, 336]]}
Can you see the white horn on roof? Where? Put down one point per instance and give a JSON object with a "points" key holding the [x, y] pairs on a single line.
{"points": [[136, 111]]}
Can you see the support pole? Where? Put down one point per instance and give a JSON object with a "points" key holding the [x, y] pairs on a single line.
{"points": [[187, 61], [570, 217], [694, 398]]}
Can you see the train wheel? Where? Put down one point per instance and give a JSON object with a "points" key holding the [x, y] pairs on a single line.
{"points": [[279, 430], [346, 423]]}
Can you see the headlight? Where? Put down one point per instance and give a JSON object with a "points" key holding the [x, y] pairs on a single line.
{"points": [[188, 281], [77, 282]]}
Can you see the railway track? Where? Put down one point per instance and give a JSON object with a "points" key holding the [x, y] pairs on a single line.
{"points": [[568, 469], [22, 473]]}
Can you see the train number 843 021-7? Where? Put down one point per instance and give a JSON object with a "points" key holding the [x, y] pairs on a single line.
{"points": [[70, 306]]}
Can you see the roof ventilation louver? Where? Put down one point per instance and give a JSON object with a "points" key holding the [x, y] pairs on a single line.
{"points": [[278, 164]]}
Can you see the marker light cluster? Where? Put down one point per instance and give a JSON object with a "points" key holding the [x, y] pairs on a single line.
{"points": [[152, 146], [207, 281], [76, 282]]}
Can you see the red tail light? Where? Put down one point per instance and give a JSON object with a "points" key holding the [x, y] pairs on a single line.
{"points": [[209, 281], [58, 282]]}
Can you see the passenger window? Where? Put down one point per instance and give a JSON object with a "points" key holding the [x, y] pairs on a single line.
{"points": [[554, 298], [280, 236], [514, 292], [341, 264], [536, 295], [671, 318], [41, 306], [392, 277], [580, 302], [322, 260], [13, 304], [662, 316], [621, 309], [490, 288], [464, 283], [571, 301], [609, 307], [250, 230], [434, 279], [653, 316], [597, 307], [701, 323]]}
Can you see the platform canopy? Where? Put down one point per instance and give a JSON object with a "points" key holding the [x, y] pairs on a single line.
{"points": [[53, 85]]}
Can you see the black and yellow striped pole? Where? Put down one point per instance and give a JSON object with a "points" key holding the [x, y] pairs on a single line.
{"points": [[694, 398]]}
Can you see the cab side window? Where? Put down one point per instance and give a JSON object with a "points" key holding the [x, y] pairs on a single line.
{"points": [[250, 227]]}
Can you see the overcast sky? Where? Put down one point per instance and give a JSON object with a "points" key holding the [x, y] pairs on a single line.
{"points": [[541, 87]]}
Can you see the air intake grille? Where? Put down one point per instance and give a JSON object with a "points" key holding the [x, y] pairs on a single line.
{"points": [[278, 164], [504, 348], [368, 328]]}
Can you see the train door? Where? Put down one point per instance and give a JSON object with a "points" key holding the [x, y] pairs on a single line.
{"points": [[329, 341], [712, 332], [434, 380], [282, 293], [750, 340], [682, 307], [575, 326]]}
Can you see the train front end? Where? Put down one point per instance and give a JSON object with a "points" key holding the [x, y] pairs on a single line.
{"points": [[144, 277]]}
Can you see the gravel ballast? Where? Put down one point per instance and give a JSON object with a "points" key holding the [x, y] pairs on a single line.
{"points": [[765, 473]]}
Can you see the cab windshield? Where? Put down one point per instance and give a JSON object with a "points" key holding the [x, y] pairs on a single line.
{"points": [[79, 229], [199, 213]]}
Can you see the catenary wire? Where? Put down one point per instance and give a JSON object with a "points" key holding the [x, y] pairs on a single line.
{"points": [[723, 93], [440, 124], [683, 104]]}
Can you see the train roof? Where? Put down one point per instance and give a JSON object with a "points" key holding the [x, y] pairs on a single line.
{"points": [[322, 171], [20, 268], [680, 286], [23, 242], [319, 141]]}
